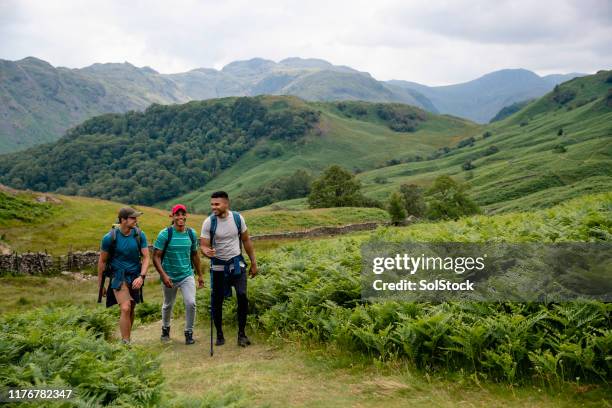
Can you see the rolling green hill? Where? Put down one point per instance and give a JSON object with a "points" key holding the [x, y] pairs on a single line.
{"points": [[232, 143], [157, 154], [356, 141], [555, 148]]}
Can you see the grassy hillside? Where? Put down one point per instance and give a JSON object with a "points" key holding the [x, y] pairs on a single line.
{"points": [[356, 142], [146, 157], [550, 151], [79, 222], [168, 151]]}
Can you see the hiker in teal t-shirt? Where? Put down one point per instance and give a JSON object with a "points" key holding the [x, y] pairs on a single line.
{"points": [[125, 250], [175, 257]]}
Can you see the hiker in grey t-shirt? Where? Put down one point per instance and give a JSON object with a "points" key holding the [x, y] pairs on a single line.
{"points": [[223, 234]]}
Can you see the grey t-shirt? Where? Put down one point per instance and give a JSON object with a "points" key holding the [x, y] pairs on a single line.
{"points": [[227, 243]]}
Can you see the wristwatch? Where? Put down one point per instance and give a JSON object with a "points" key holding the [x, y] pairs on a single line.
{"points": [[143, 276]]}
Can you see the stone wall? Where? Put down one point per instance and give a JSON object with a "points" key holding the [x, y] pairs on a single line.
{"points": [[37, 263], [320, 231]]}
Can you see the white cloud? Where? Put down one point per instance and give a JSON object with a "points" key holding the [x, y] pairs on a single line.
{"points": [[433, 42]]}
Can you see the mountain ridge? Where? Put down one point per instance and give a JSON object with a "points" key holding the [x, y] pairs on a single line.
{"points": [[40, 102]]}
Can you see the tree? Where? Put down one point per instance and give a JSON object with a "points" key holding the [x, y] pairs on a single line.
{"points": [[396, 208], [448, 200], [468, 165], [335, 188], [466, 142], [413, 199]]}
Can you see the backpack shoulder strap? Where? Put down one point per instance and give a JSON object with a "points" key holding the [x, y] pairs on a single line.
{"points": [[169, 232], [137, 232], [192, 237], [113, 245], [213, 227], [238, 221]]}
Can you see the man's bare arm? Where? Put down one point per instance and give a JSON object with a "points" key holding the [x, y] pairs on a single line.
{"points": [[250, 250], [157, 262], [102, 260], [195, 259], [206, 248]]}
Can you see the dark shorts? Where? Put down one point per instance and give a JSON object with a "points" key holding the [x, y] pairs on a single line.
{"points": [[117, 296]]}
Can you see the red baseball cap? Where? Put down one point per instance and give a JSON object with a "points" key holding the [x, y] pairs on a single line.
{"points": [[179, 207]]}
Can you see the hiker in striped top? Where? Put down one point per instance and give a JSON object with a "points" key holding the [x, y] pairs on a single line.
{"points": [[175, 257]]}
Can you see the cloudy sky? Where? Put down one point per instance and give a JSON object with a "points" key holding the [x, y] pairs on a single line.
{"points": [[432, 42]]}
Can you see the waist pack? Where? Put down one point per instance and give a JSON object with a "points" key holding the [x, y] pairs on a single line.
{"points": [[228, 272]]}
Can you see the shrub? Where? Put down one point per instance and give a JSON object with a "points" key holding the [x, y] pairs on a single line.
{"points": [[69, 347], [491, 150], [312, 290], [468, 165], [563, 95], [380, 180], [413, 199], [396, 208], [336, 187], [447, 199], [559, 149], [466, 142]]}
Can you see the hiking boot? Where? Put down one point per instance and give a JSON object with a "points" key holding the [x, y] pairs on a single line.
{"points": [[243, 340], [189, 337], [165, 336], [220, 341]]}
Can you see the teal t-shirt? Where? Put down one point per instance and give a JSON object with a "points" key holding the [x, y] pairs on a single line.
{"points": [[127, 254], [177, 260]]}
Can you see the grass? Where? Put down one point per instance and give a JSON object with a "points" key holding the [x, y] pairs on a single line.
{"points": [[22, 208], [78, 223], [280, 374]]}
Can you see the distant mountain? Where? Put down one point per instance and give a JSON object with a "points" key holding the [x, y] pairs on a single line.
{"points": [[482, 98], [39, 102]]}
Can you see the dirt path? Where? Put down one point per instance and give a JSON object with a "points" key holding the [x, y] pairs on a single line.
{"points": [[265, 375]]}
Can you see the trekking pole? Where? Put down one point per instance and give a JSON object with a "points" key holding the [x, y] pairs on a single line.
{"points": [[210, 308], [101, 289], [211, 326]]}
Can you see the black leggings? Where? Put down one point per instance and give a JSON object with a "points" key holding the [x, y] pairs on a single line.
{"points": [[238, 282]]}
